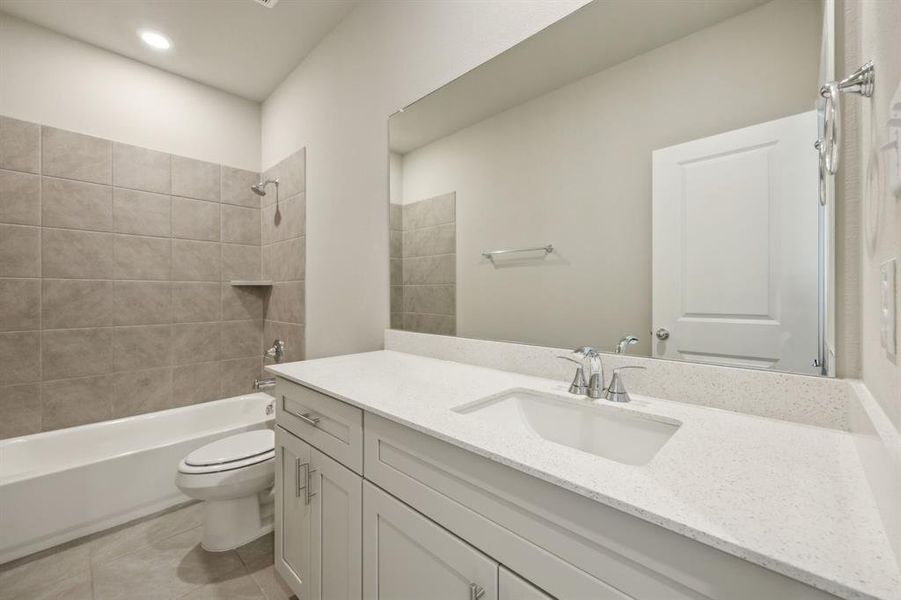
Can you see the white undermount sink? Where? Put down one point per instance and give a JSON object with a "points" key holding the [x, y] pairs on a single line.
{"points": [[605, 431]]}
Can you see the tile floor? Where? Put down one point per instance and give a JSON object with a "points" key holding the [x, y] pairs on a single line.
{"points": [[158, 558]]}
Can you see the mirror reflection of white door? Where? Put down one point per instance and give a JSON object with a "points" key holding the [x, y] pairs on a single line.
{"points": [[735, 247]]}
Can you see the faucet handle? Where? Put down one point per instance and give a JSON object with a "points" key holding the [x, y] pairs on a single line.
{"points": [[616, 391], [277, 351], [595, 370], [578, 385], [587, 353]]}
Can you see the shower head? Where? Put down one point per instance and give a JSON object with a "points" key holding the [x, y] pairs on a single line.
{"points": [[260, 188]]}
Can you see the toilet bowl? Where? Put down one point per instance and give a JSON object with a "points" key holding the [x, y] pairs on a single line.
{"points": [[234, 477]]}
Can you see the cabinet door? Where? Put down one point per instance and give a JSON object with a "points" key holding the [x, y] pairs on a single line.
{"points": [[336, 538], [408, 557], [293, 511], [511, 586]]}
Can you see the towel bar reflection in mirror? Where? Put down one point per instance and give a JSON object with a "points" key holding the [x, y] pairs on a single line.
{"points": [[490, 254]]}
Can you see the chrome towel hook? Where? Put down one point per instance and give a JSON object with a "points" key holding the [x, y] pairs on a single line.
{"points": [[860, 82]]}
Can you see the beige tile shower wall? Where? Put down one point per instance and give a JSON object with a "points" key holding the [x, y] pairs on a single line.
{"points": [[284, 255], [427, 267], [395, 256], [114, 263]]}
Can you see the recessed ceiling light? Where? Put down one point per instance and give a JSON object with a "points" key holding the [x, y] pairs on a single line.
{"points": [[155, 39]]}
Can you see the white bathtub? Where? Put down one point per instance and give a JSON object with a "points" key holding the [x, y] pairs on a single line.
{"points": [[61, 485]]}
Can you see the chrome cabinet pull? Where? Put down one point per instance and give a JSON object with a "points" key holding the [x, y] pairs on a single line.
{"points": [[305, 417], [307, 471], [297, 467], [475, 591], [307, 486]]}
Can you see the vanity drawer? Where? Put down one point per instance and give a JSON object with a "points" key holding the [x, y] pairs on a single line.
{"points": [[332, 426]]}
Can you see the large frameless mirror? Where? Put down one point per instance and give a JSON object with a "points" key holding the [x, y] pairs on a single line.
{"points": [[640, 176]]}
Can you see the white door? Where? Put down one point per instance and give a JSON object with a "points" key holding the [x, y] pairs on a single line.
{"points": [[735, 247], [408, 557], [293, 511], [336, 569]]}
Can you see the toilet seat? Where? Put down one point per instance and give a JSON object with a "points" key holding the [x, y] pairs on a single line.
{"points": [[187, 469], [231, 453]]}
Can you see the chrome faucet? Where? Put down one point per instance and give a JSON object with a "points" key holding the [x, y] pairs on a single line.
{"points": [[264, 384], [276, 353], [624, 344], [592, 358]]}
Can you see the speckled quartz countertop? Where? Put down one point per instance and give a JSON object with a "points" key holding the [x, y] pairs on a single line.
{"points": [[789, 497]]}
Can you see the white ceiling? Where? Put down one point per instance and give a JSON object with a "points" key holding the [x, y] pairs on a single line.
{"points": [[236, 45], [593, 38]]}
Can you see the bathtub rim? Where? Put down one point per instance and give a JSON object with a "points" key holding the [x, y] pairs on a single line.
{"points": [[149, 416]]}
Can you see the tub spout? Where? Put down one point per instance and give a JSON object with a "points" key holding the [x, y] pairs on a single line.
{"points": [[264, 384]]}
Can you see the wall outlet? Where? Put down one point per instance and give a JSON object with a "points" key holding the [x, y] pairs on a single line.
{"points": [[887, 308]]}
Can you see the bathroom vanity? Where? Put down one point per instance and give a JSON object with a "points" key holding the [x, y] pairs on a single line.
{"points": [[596, 196], [402, 476]]}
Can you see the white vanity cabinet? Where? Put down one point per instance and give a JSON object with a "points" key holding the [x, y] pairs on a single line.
{"points": [[319, 501], [332, 426], [511, 586], [432, 520], [335, 529], [292, 511], [408, 557]]}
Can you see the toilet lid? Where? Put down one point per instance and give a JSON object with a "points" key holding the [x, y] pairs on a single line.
{"points": [[233, 448]]}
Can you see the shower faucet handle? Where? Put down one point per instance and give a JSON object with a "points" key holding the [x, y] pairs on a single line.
{"points": [[277, 351]]}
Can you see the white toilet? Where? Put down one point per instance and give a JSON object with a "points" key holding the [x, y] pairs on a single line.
{"points": [[234, 477]]}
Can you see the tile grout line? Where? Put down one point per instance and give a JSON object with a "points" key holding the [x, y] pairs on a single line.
{"points": [[131, 325], [111, 402], [40, 383], [133, 551], [138, 235]]}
